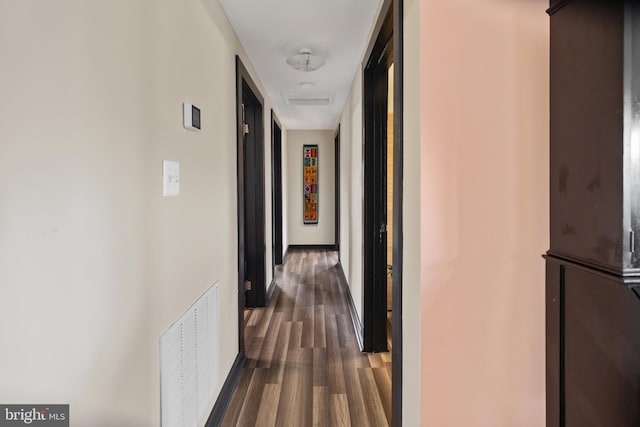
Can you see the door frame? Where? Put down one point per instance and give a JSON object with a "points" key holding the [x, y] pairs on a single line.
{"points": [[398, 203], [276, 191], [375, 112], [337, 191], [245, 85], [390, 24]]}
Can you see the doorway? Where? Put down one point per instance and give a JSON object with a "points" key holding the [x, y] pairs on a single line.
{"points": [[376, 215], [250, 173], [337, 191], [276, 190], [389, 207], [383, 193]]}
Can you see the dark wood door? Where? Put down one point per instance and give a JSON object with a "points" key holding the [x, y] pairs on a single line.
{"points": [[250, 187], [276, 189], [254, 239]]}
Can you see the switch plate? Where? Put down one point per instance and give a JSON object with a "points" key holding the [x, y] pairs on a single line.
{"points": [[170, 178]]}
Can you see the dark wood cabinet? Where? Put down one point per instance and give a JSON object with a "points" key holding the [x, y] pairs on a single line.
{"points": [[595, 115], [593, 348], [593, 264]]}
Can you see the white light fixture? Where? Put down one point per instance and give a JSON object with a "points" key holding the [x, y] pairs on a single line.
{"points": [[305, 60], [307, 98], [307, 85]]}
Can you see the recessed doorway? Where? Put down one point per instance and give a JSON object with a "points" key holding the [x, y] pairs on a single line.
{"points": [[251, 206], [276, 190], [382, 208], [376, 206]]}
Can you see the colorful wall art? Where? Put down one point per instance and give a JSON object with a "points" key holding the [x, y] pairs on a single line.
{"points": [[310, 184]]}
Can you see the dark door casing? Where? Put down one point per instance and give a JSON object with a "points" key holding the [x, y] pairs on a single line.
{"points": [[251, 218], [337, 191], [376, 92], [254, 201], [276, 188], [384, 50]]}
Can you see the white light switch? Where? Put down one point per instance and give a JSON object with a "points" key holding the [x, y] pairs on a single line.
{"points": [[170, 178]]}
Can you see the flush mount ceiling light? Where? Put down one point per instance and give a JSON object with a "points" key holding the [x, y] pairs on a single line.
{"points": [[306, 98], [305, 60], [307, 85]]}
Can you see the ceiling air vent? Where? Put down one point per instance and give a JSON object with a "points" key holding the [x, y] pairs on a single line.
{"points": [[312, 99]]}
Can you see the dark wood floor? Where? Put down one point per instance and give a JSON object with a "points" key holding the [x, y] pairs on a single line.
{"points": [[303, 364]]}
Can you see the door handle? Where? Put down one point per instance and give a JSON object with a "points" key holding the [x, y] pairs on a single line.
{"points": [[383, 229]]}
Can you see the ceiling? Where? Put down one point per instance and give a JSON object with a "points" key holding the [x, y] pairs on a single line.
{"points": [[271, 31]]}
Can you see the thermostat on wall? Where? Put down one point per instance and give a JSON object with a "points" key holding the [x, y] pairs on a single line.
{"points": [[191, 116]]}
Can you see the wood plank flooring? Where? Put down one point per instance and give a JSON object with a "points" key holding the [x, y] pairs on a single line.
{"points": [[303, 364]]}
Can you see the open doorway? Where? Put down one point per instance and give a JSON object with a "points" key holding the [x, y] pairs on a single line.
{"points": [[276, 190], [251, 222], [376, 206], [383, 195]]}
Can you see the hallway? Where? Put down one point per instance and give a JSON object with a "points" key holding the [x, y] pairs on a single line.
{"points": [[118, 216], [303, 364]]}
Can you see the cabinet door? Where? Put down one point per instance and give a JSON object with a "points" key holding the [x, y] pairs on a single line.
{"points": [[587, 133], [601, 351]]}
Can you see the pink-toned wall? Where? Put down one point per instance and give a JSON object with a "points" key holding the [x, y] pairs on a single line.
{"points": [[484, 211]]}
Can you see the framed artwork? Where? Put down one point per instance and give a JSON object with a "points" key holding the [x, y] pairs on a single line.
{"points": [[310, 183]]}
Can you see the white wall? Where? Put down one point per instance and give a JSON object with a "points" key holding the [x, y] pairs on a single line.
{"points": [[484, 112], [94, 263], [345, 194], [411, 308], [73, 223], [194, 242], [351, 245], [285, 195], [322, 233]]}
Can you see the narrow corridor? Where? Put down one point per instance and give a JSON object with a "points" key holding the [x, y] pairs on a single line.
{"points": [[303, 364]]}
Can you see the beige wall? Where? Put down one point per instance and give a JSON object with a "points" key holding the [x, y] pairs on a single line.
{"points": [[351, 246], [194, 238], [73, 223], [322, 233], [411, 319], [484, 136], [285, 195], [94, 263], [351, 201]]}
